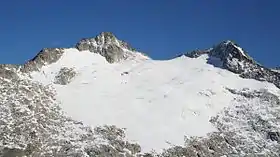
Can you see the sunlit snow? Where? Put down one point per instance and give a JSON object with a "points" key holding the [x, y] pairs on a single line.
{"points": [[158, 102]]}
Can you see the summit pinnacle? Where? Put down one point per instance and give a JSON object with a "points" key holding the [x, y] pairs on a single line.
{"points": [[107, 45]]}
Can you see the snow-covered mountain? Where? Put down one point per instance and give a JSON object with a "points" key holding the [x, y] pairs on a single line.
{"points": [[104, 98]]}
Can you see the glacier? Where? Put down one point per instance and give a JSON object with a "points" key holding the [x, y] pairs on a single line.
{"points": [[104, 98]]}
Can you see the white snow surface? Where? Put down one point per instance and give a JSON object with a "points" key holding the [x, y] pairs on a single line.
{"points": [[158, 102]]}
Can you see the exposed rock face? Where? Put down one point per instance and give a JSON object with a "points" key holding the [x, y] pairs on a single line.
{"points": [[44, 57], [64, 76], [107, 45], [237, 61], [32, 124], [115, 137], [252, 121], [234, 59], [250, 129], [274, 136], [196, 53], [9, 71], [231, 55]]}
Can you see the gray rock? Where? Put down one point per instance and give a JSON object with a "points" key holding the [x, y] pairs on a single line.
{"points": [[237, 61], [215, 145], [65, 76], [196, 53], [32, 124], [252, 127], [44, 57], [243, 131], [107, 45], [115, 136], [13, 152], [9, 71], [274, 136]]}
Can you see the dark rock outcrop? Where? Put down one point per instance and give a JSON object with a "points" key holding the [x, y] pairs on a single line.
{"points": [[64, 76], [32, 124], [107, 45], [44, 57], [236, 60], [9, 71], [196, 53], [274, 136], [244, 129]]}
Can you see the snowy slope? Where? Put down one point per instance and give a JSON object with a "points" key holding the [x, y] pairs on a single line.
{"points": [[158, 102]]}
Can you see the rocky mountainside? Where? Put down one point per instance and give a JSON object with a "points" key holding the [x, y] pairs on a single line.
{"points": [[107, 45], [103, 98], [237, 61]]}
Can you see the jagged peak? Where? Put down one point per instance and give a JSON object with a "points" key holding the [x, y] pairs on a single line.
{"points": [[104, 39], [228, 50], [108, 34], [235, 59], [45, 56], [232, 56], [196, 53], [228, 42], [108, 45]]}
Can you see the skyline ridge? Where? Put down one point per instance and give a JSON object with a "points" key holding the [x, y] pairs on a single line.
{"points": [[112, 35], [162, 28]]}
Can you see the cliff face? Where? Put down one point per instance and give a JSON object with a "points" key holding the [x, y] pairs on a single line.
{"points": [[236, 60]]}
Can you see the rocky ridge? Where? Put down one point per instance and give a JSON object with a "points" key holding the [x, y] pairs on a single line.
{"points": [[236, 60], [106, 44], [30, 113]]}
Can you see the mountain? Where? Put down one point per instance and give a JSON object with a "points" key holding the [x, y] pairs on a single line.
{"points": [[237, 61], [276, 69], [104, 98]]}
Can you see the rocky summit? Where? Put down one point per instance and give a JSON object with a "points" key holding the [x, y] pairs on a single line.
{"points": [[107, 45], [103, 98], [238, 61]]}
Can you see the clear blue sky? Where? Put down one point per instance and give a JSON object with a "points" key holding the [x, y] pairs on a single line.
{"points": [[161, 28]]}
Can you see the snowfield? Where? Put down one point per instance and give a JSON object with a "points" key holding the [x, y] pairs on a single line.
{"points": [[158, 102]]}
